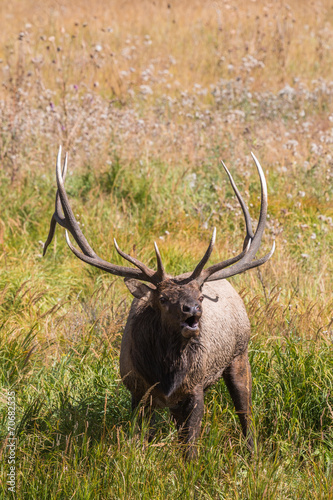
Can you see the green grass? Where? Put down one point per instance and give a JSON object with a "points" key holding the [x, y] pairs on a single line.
{"points": [[77, 436]]}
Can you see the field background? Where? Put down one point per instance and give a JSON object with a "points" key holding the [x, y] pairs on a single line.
{"points": [[147, 97]]}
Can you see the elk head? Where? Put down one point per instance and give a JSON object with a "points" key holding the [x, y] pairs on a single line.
{"points": [[179, 298], [179, 306]]}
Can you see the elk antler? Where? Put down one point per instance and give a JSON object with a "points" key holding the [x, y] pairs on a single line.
{"points": [[243, 261], [68, 221], [225, 269]]}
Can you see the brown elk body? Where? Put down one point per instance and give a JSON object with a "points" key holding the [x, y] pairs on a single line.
{"points": [[174, 371], [183, 333]]}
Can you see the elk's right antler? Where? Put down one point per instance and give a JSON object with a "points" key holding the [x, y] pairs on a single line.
{"points": [[68, 221], [243, 261]]}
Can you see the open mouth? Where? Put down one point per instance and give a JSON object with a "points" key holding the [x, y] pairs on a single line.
{"points": [[191, 323]]}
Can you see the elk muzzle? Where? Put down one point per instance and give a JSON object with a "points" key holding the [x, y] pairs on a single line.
{"points": [[191, 317]]}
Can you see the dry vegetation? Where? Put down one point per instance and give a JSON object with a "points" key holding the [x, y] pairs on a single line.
{"points": [[148, 97]]}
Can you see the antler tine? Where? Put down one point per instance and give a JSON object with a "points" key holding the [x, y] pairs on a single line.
{"points": [[160, 274], [68, 221], [245, 262], [243, 266], [198, 270], [228, 262], [64, 216], [133, 260], [58, 206], [125, 272], [64, 168], [246, 213], [246, 245], [263, 210], [53, 223], [160, 268]]}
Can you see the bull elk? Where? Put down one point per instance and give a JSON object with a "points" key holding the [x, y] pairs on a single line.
{"points": [[185, 332]]}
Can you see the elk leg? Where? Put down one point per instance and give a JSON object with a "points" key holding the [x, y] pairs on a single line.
{"points": [[238, 380], [188, 416]]}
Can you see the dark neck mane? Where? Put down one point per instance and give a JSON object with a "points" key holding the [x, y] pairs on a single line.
{"points": [[161, 356]]}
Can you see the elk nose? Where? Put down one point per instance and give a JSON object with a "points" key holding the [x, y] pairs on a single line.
{"points": [[191, 310]]}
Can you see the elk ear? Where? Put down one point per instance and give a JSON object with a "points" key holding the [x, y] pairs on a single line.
{"points": [[138, 290]]}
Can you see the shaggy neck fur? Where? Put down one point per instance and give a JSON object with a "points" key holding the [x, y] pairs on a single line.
{"points": [[173, 354]]}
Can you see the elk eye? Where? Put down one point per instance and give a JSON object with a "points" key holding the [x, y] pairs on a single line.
{"points": [[162, 300], [201, 298]]}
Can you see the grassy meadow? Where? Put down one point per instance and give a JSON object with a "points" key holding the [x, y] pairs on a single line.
{"points": [[148, 97]]}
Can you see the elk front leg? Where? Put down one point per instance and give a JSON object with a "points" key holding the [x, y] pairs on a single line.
{"points": [[238, 380], [188, 416]]}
